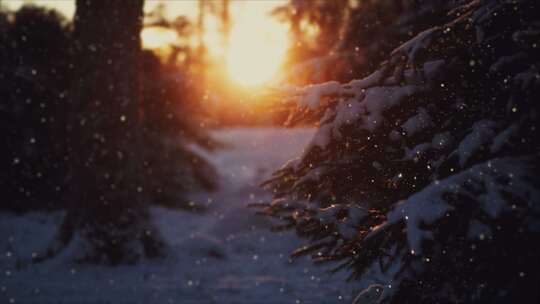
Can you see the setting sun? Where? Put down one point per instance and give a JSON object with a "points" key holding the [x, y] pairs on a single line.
{"points": [[257, 48]]}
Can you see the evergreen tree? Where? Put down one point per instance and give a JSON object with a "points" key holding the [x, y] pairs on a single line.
{"points": [[316, 27], [344, 40], [105, 206], [33, 93], [170, 127], [375, 28], [421, 179]]}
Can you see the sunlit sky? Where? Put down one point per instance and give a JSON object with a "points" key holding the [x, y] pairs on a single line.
{"points": [[257, 44]]}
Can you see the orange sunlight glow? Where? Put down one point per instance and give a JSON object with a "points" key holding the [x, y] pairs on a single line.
{"points": [[258, 44], [156, 37]]}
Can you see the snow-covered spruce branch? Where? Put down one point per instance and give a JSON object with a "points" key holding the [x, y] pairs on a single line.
{"points": [[421, 174]]}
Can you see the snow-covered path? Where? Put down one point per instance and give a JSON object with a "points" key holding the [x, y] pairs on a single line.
{"points": [[224, 256]]}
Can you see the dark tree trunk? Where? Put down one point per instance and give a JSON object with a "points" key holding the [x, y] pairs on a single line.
{"points": [[104, 196]]}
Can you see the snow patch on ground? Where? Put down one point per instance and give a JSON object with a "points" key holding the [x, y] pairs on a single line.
{"points": [[227, 255]]}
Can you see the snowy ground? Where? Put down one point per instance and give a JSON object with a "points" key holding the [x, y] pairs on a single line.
{"points": [[224, 256]]}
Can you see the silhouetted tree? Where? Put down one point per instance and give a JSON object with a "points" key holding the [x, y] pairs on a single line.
{"points": [[343, 40], [375, 28], [105, 186], [171, 167], [315, 26], [33, 91]]}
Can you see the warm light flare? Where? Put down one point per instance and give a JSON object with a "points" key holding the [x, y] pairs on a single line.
{"points": [[257, 46], [255, 55], [156, 37]]}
